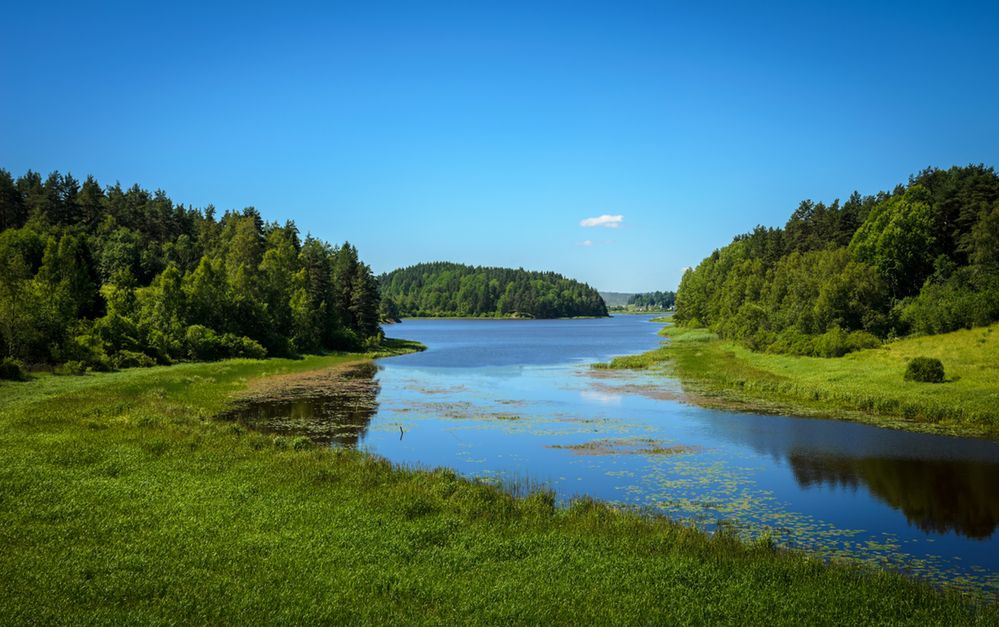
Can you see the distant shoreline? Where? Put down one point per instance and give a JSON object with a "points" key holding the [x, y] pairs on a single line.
{"points": [[498, 317]]}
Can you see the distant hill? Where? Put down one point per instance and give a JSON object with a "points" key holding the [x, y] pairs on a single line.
{"points": [[616, 299], [452, 289]]}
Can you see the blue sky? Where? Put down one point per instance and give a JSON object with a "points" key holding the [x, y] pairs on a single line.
{"points": [[486, 133]]}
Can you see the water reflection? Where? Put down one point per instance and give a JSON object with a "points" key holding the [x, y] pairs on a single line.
{"points": [[935, 495], [334, 410]]}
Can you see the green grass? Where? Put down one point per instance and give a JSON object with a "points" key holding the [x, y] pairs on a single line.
{"points": [[867, 385], [123, 500]]}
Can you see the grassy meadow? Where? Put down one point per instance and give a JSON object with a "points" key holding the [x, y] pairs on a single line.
{"points": [[866, 385], [123, 500]]}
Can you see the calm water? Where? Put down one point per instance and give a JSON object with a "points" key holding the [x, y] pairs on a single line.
{"points": [[516, 400]]}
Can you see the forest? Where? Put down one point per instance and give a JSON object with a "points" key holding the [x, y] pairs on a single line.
{"points": [[98, 278], [451, 289], [921, 259], [653, 300]]}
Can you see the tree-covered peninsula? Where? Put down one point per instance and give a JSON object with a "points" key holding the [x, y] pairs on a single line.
{"points": [[103, 277], [921, 259], [451, 289]]}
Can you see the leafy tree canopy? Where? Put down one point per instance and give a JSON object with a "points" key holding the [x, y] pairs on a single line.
{"points": [[451, 289], [110, 277], [922, 258]]}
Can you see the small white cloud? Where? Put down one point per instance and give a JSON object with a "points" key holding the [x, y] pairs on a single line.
{"points": [[585, 242], [607, 221]]}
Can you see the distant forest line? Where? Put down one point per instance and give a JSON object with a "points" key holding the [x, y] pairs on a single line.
{"points": [[102, 277], [639, 301], [453, 289], [923, 258]]}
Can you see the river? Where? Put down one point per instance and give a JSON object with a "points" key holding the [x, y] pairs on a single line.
{"points": [[516, 402]]}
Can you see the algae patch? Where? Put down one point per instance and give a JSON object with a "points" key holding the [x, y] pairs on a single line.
{"points": [[629, 446]]}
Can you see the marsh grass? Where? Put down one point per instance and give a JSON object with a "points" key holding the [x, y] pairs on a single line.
{"points": [[123, 500], [867, 385]]}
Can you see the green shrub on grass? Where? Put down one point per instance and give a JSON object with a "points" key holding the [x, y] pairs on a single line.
{"points": [[204, 344], [132, 359], [12, 370], [925, 370], [72, 367]]}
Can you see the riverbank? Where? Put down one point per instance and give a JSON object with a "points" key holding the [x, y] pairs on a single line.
{"points": [[125, 500], [866, 386]]}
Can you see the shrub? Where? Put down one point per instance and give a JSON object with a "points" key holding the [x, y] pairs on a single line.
{"points": [[925, 370], [132, 359], [345, 339], [832, 343], [12, 370], [790, 341], [72, 367], [87, 349], [859, 340], [374, 342], [236, 346], [204, 344]]}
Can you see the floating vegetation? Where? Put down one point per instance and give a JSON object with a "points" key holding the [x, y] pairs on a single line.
{"points": [[330, 407], [632, 446]]}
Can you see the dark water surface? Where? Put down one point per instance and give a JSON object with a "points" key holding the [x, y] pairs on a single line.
{"points": [[516, 401]]}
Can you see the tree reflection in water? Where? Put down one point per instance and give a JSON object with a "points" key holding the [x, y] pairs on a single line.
{"points": [[935, 495]]}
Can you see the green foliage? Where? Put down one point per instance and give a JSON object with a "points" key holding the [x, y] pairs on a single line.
{"points": [[968, 298], [203, 344], [132, 359], [72, 368], [925, 370], [897, 239], [12, 370], [100, 276], [450, 289], [920, 259]]}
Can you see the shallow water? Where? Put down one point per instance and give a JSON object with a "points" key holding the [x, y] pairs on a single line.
{"points": [[515, 401]]}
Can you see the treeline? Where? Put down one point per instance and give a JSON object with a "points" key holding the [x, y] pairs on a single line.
{"points": [[653, 300], [923, 258], [451, 289], [112, 277]]}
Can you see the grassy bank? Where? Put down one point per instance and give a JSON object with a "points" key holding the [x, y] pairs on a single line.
{"points": [[123, 499], [866, 385]]}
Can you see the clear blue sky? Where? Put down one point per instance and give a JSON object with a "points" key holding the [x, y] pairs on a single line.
{"points": [[486, 132]]}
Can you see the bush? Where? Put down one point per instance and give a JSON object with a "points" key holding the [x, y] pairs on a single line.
{"points": [[374, 342], [790, 341], [72, 367], [204, 344], [87, 349], [859, 340], [925, 370], [132, 359], [832, 343], [344, 339], [236, 346], [12, 370]]}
